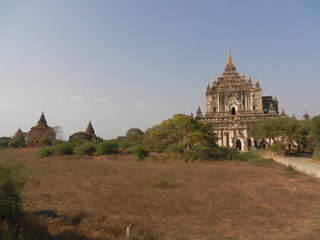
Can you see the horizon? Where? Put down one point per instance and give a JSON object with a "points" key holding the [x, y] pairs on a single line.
{"points": [[133, 64]]}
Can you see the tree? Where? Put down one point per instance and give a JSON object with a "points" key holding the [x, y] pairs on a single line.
{"points": [[133, 135], [180, 130], [140, 152], [79, 138], [59, 132], [282, 131], [107, 147], [314, 136], [11, 183]]}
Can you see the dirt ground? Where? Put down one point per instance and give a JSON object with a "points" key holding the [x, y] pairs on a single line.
{"points": [[98, 197]]}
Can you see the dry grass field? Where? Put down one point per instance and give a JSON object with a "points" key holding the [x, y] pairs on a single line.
{"points": [[98, 197]]}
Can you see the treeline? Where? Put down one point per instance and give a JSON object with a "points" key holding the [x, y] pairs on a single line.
{"points": [[286, 132], [181, 137]]}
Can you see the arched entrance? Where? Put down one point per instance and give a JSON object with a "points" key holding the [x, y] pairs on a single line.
{"points": [[233, 111], [238, 145]]}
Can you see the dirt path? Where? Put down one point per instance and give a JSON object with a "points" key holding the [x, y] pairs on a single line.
{"points": [[301, 164]]}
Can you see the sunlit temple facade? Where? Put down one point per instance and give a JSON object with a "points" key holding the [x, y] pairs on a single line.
{"points": [[233, 104]]}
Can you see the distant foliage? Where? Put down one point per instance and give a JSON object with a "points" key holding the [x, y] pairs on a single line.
{"points": [[64, 148], [244, 156], [140, 152], [314, 136], [80, 138], [126, 144], [45, 152], [316, 154], [85, 149], [162, 183], [107, 147], [133, 135], [11, 183], [179, 133], [207, 152], [4, 142], [282, 131]]}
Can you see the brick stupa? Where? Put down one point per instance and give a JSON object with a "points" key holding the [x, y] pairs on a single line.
{"points": [[41, 134]]}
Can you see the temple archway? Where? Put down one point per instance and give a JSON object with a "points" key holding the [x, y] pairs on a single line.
{"points": [[238, 145], [233, 111]]}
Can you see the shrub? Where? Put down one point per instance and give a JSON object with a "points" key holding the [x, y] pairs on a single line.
{"points": [[10, 199], [316, 154], [207, 152], [140, 152], [162, 183], [80, 138], [175, 149], [45, 152], [289, 168], [13, 144], [85, 149], [65, 148], [29, 142], [107, 147], [126, 144], [244, 156]]}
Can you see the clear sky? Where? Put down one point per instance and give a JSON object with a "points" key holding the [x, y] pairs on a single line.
{"points": [[132, 63]]}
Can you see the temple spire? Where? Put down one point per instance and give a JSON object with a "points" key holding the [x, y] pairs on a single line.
{"points": [[230, 66], [229, 57], [42, 120]]}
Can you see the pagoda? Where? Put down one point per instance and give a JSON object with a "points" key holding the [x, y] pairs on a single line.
{"points": [[41, 134]]}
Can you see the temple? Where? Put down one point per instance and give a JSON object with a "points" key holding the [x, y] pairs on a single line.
{"points": [[233, 104], [90, 131], [41, 134], [18, 133]]}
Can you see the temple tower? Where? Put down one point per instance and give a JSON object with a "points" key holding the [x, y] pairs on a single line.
{"points": [[90, 131], [41, 134], [233, 104]]}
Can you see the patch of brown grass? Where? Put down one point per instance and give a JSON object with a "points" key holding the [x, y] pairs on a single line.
{"points": [[219, 200]]}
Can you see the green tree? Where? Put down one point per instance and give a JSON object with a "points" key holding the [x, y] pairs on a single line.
{"points": [[85, 149], [107, 147], [282, 131], [140, 152], [79, 138], [180, 130], [133, 135], [314, 136], [11, 183]]}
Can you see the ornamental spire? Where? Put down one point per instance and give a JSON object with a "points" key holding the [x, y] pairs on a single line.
{"points": [[229, 57], [42, 121], [230, 67]]}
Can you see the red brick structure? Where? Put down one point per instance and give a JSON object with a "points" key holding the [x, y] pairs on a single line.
{"points": [[90, 131], [41, 134], [17, 133]]}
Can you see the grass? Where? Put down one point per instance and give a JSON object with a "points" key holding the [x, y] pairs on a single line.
{"points": [[162, 183], [98, 197]]}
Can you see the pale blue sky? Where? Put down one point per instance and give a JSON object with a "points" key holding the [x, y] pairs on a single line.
{"points": [[124, 64]]}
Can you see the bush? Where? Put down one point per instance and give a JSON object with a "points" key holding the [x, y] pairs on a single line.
{"points": [[126, 144], [140, 152], [175, 149], [45, 152], [207, 152], [316, 154], [65, 148], [85, 149], [244, 156], [162, 183], [11, 183], [13, 144], [107, 147]]}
